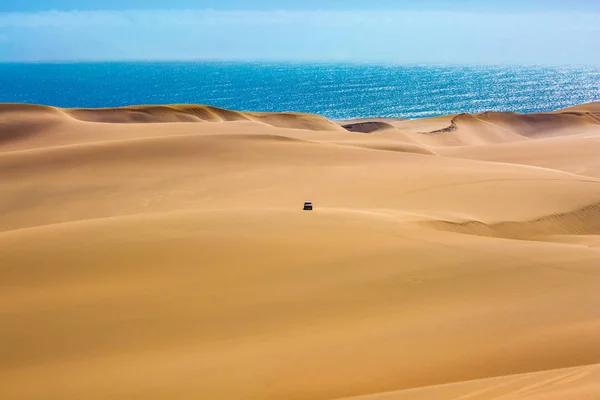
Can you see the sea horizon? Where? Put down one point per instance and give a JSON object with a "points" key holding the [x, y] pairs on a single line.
{"points": [[336, 90]]}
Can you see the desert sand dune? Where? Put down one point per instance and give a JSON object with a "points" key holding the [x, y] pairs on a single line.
{"points": [[568, 383], [161, 252], [575, 154], [593, 108], [494, 127], [542, 124], [198, 113]]}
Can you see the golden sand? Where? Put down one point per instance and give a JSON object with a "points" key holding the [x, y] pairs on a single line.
{"points": [[161, 252]]}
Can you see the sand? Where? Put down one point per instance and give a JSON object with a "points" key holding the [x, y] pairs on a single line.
{"points": [[161, 252]]}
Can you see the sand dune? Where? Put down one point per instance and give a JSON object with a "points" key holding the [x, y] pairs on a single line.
{"points": [[495, 127], [593, 108], [576, 154], [161, 252], [568, 383], [198, 113]]}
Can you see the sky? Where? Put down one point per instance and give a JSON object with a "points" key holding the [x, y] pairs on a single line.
{"points": [[380, 31]]}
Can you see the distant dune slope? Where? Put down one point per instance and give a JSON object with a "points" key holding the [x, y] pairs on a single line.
{"points": [[198, 113], [575, 154], [568, 383], [593, 108], [490, 127], [161, 252]]}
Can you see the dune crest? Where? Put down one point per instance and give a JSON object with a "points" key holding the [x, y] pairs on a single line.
{"points": [[198, 113], [584, 221], [494, 127], [164, 114]]}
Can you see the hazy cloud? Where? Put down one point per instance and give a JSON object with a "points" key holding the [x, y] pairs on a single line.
{"points": [[391, 36]]}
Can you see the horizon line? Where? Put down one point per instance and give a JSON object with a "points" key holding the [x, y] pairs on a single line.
{"points": [[291, 61]]}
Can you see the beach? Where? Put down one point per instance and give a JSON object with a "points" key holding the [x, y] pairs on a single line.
{"points": [[160, 252]]}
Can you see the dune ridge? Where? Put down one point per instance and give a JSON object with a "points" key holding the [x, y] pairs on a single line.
{"points": [[162, 252], [198, 113], [528, 125], [584, 221], [577, 382], [488, 127]]}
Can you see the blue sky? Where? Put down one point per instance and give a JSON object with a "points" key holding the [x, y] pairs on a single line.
{"points": [[411, 31]]}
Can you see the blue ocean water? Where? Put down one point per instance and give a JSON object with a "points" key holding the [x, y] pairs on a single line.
{"points": [[337, 91]]}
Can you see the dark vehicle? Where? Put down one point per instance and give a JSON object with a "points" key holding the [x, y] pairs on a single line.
{"points": [[308, 206]]}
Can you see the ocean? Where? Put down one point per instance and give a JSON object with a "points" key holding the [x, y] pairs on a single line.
{"points": [[337, 91]]}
